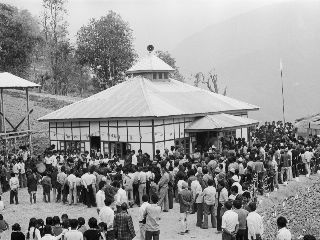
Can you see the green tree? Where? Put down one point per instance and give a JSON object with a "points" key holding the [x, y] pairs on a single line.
{"points": [[106, 46], [19, 35], [210, 80], [168, 59]]}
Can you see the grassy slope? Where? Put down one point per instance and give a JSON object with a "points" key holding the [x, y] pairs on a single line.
{"points": [[42, 104], [301, 208]]}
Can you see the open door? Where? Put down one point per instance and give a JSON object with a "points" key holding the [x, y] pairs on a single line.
{"points": [[95, 144]]}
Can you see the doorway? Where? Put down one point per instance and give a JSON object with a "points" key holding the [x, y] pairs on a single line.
{"points": [[95, 144]]}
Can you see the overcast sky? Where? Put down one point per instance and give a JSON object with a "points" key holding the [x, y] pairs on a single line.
{"points": [[163, 23]]}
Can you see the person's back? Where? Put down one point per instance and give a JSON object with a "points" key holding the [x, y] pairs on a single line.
{"points": [[283, 232], [73, 233], [152, 214], [123, 225], [254, 222]]}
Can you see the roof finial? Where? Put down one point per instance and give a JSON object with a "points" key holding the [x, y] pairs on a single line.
{"points": [[150, 48]]}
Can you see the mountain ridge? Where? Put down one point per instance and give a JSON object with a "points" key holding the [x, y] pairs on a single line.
{"points": [[246, 50]]}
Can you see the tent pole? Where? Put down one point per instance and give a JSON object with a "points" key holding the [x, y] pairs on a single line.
{"points": [[28, 120], [4, 124]]}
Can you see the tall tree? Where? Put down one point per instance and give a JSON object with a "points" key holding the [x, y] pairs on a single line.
{"points": [[106, 45], [168, 59], [210, 80], [55, 36], [19, 34]]}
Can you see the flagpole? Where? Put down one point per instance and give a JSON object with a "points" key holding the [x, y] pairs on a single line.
{"points": [[284, 120]]}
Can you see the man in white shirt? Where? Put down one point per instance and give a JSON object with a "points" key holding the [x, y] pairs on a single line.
{"points": [[14, 185], [308, 155], [230, 222], [254, 222], [48, 161], [71, 180], [209, 197], [22, 174], [53, 160], [142, 177], [15, 168], [101, 196], [283, 232], [87, 181], [142, 210], [73, 233], [120, 197], [134, 159], [106, 215]]}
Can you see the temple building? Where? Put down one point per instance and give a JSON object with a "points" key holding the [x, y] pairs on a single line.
{"points": [[149, 111]]}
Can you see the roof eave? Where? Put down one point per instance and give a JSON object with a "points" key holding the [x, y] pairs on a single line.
{"points": [[148, 71], [146, 117], [222, 129]]}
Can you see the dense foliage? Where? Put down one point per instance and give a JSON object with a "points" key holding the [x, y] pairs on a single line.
{"points": [[106, 45]]}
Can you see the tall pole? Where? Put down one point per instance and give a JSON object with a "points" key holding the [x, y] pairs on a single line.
{"points": [[28, 120], [4, 124], [284, 120]]}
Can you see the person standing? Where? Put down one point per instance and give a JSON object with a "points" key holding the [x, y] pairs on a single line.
{"points": [[230, 223], [22, 173], [121, 195], [163, 190], [87, 182], [222, 197], [283, 231], [152, 215], [71, 181], [61, 180], [142, 180], [47, 186], [185, 201], [101, 196], [209, 195], [308, 155], [32, 186], [123, 225], [142, 220], [127, 180], [134, 159], [254, 223], [106, 215], [14, 185], [242, 218], [295, 161], [285, 159]]}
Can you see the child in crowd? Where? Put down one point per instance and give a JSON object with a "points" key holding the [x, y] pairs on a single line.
{"points": [[16, 232], [47, 186], [82, 225], [56, 229]]}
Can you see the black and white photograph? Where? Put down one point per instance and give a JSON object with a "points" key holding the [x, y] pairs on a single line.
{"points": [[159, 119]]}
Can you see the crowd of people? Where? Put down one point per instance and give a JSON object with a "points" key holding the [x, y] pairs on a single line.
{"points": [[222, 184]]}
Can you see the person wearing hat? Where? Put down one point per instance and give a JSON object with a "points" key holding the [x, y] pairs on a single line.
{"points": [[185, 201]]}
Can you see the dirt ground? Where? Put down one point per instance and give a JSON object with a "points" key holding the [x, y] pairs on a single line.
{"points": [[21, 213]]}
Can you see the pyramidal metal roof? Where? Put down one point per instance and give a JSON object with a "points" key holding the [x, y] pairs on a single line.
{"points": [[150, 63], [220, 121], [8, 80], [139, 97]]}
